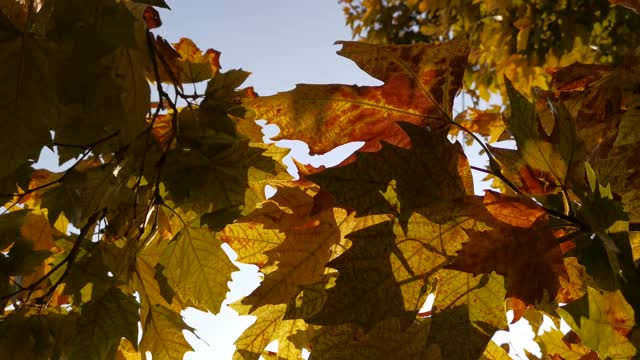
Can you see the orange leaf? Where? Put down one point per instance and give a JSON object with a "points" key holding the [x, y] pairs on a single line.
{"points": [[516, 211], [420, 82], [162, 130]]}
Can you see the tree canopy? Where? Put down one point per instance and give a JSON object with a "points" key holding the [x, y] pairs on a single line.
{"points": [[523, 40], [131, 233]]}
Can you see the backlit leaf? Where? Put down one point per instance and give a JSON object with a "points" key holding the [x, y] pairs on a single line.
{"points": [[552, 344], [296, 225], [162, 334], [472, 308], [268, 327], [500, 250], [516, 211], [185, 61], [433, 173], [420, 83], [603, 321], [197, 267]]}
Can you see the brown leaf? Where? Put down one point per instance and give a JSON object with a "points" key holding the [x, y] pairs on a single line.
{"points": [[516, 253]]}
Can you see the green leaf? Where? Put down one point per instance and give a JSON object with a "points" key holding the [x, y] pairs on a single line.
{"points": [[41, 335], [227, 179], [10, 225], [29, 99], [85, 190], [19, 177], [22, 259], [551, 157], [197, 268], [102, 323]]}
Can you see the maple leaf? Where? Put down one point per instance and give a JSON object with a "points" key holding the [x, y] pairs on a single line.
{"points": [[162, 334], [102, 323], [552, 344], [440, 176], [595, 96], [550, 157], [52, 332], [387, 271], [368, 258], [268, 327], [292, 222], [501, 249], [226, 181], [185, 62], [633, 5], [472, 307], [197, 268], [24, 249], [351, 342], [146, 281], [28, 101], [162, 324], [420, 82], [603, 320], [573, 286], [69, 195], [605, 250], [105, 91], [516, 211], [126, 351]]}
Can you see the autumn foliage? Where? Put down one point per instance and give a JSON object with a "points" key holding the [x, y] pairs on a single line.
{"points": [[131, 232]]}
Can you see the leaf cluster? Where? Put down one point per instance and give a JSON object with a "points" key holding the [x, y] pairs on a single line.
{"points": [[132, 231], [523, 40]]}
